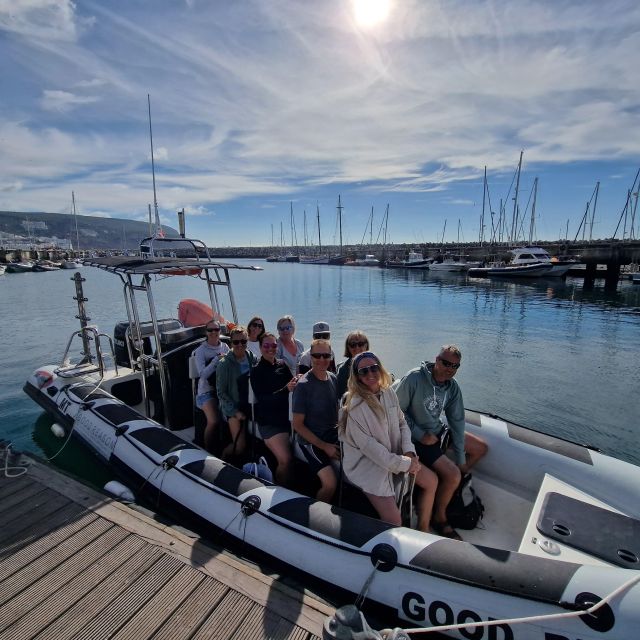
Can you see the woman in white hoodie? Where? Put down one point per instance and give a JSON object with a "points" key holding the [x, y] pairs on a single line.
{"points": [[377, 445]]}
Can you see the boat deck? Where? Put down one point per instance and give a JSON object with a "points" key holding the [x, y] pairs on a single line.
{"points": [[76, 564]]}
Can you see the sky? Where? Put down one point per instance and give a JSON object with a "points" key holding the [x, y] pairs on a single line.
{"points": [[263, 106]]}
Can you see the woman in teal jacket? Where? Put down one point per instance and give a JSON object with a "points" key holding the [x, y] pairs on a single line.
{"points": [[236, 363]]}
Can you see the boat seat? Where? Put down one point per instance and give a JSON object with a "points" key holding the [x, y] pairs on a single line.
{"points": [[613, 537]]}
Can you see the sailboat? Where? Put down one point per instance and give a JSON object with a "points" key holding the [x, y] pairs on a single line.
{"points": [[319, 258]]}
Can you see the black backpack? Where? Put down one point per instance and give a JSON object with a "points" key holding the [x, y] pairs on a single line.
{"points": [[465, 509]]}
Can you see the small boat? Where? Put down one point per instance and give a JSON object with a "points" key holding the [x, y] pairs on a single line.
{"points": [[3, 268], [369, 260], [314, 259], [20, 267], [635, 278], [45, 265], [510, 271], [561, 530], [415, 260], [538, 255], [452, 263], [69, 264]]}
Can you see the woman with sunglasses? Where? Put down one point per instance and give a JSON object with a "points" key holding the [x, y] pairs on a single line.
{"points": [[235, 364], [207, 356], [356, 343], [255, 329], [289, 348], [272, 381], [377, 442]]}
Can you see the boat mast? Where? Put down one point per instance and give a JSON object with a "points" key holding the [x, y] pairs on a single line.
{"points": [[533, 211], [484, 197], [75, 219], [319, 240], [153, 170], [340, 207], [593, 213], [514, 219]]}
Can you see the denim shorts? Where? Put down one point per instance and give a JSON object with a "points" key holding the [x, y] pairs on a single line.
{"points": [[202, 398]]}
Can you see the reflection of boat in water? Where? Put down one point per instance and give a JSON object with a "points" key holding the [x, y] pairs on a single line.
{"points": [[561, 525], [508, 271]]}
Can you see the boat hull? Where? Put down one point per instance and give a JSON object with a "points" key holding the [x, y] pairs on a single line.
{"points": [[524, 271], [425, 579]]}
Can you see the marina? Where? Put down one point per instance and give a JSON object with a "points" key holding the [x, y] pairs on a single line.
{"points": [[81, 398]]}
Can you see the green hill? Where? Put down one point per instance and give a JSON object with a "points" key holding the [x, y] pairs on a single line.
{"points": [[94, 232]]}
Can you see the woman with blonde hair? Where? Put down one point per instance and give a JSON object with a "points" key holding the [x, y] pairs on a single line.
{"points": [[355, 343], [289, 348], [377, 443]]}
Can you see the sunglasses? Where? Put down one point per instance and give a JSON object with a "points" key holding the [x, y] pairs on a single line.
{"points": [[285, 327], [322, 335], [236, 342], [374, 368], [449, 365], [259, 325], [210, 329], [353, 345], [317, 356], [269, 345]]}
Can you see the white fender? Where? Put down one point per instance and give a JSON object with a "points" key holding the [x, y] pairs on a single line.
{"points": [[119, 491], [58, 430]]}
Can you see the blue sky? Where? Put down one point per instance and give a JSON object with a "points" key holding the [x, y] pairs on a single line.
{"points": [[256, 104]]}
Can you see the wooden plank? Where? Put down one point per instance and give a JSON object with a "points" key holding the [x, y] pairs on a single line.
{"points": [[274, 627], [301, 609], [61, 601], [52, 558], [37, 522], [19, 499], [12, 562], [45, 502], [40, 589], [225, 618], [122, 608], [169, 598], [11, 485], [190, 616], [75, 618]]}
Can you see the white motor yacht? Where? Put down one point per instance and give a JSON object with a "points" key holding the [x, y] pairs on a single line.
{"points": [[538, 255]]}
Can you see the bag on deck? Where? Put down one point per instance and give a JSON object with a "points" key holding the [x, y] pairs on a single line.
{"points": [[259, 469], [465, 509]]}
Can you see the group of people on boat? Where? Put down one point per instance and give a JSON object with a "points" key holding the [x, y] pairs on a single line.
{"points": [[352, 414]]}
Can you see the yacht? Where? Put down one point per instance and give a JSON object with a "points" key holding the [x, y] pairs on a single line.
{"points": [[415, 260], [538, 255]]}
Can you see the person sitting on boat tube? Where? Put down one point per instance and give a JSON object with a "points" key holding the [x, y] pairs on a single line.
{"points": [[377, 445], [207, 356], [424, 394], [236, 363], [315, 418], [320, 332]]}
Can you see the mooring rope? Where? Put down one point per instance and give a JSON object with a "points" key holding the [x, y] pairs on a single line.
{"points": [[10, 470]]}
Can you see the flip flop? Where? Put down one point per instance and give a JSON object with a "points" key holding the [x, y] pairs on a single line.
{"points": [[445, 530]]}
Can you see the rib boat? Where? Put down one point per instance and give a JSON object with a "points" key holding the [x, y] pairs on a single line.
{"points": [[555, 558]]}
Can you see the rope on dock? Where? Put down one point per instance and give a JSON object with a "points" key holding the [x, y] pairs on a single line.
{"points": [[15, 469]]}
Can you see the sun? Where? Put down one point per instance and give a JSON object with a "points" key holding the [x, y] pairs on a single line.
{"points": [[369, 13]]}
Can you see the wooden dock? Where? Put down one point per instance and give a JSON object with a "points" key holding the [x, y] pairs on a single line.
{"points": [[75, 564]]}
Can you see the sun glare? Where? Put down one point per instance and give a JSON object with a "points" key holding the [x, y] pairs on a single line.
{"points": [[369, 13]]}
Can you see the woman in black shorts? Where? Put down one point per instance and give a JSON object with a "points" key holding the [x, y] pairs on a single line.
{"points": [[272, 381]]}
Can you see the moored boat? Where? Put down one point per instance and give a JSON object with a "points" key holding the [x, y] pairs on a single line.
{"points": [[561, 524], [3, 268], [452, 263], [510, 271], [20, 267], [415, 260], [537, 255]]}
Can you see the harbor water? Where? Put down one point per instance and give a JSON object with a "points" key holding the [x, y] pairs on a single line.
{"points": [[543, 353]]}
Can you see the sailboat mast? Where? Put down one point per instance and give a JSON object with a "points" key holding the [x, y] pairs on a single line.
{"points": [[514, 219], [153, 166], [593, 213], [533, 211], [484, 198], [75, 220], [340, 221], [319, 240]]}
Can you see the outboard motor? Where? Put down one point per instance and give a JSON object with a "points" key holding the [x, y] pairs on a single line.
{"points": [[120, 337]]}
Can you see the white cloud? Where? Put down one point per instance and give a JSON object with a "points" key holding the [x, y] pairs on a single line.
{"points": [[40, 19], [56, 100]]}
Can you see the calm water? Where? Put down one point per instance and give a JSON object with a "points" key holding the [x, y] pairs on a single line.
{"points": [[543, 354]]}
